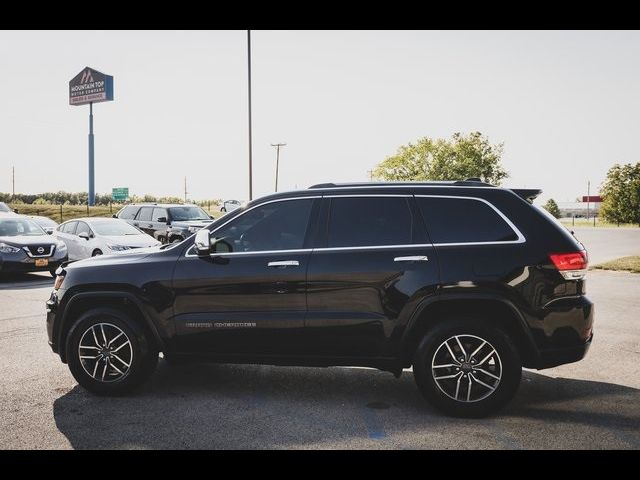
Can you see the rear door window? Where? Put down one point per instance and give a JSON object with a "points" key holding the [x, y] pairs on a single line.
{"points": [[463, 220], [369, 221]]}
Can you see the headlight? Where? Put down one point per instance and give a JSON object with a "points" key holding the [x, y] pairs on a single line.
{"points": [[4, 248], [193, 229], [118, 248]]}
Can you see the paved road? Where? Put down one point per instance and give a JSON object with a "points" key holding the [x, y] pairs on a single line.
{"points": [[604, 244], [589, 404]]}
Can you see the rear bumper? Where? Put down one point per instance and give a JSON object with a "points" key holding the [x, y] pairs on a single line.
{"points": [[566, 333], [559, 356]]}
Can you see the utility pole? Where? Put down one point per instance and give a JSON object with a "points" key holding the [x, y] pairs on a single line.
{"points": [[588, 193], [185, 189], [277, 145], [370, 172], [249, 83], [13, 182]]}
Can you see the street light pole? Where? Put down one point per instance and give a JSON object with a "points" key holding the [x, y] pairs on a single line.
{"points": [[249, 83], [277, 145]]}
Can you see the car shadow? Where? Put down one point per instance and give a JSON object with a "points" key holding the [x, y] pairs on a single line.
{"points": [[24, 281], [210, 406]]}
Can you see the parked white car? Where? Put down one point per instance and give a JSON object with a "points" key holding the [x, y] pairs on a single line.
{"points": [[88, 237]]}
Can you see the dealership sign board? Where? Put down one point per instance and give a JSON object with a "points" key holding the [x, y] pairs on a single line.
{"points": [[90, 86], [119, 194]]}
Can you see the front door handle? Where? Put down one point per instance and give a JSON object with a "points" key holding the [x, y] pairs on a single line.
{"points": [[284, 263], [415, 258]]}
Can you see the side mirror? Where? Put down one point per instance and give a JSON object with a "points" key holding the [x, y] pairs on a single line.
{"points": [[212, 217], [202, 243], [49, 232], [162, 220], [84, 235], [114, 216]]}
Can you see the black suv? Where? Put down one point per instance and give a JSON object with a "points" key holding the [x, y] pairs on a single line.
{"points": [[167, 223], [464, 282]]}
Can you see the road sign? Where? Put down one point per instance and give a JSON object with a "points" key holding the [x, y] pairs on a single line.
{"points": [[90, 86], [118, 194]]}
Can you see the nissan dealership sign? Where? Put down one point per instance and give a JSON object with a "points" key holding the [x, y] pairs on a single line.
{"points": [[90, 86]]}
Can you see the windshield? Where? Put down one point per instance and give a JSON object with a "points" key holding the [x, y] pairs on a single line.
{"points": [[19, 226], [188, 213], [4, 207], [45, 222], [114, 229]]}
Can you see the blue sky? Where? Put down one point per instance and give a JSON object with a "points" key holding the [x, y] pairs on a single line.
{"points": [[565, 104]]}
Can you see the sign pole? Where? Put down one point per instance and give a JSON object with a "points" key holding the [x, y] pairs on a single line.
{"points": [[92, 193]]}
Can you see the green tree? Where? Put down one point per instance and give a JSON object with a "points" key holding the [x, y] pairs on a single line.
{"points": [[621, 194], [458, 158], [552, 207]]}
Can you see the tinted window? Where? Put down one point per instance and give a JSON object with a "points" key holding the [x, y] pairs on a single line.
{"points": [[460, 220], [275, 226], [83, 228], [145, 214], [182, 214], [70, 227], [367, 221], [159, 213], [129, 213]]}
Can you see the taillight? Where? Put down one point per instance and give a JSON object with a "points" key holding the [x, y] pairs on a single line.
{"points": [[572, 266]]}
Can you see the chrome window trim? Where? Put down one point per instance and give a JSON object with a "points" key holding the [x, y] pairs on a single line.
{"points": [[298, 250], [521, 238]]}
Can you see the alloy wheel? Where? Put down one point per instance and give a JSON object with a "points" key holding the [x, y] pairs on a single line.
{"points": [[466, 368], [105, 352]]}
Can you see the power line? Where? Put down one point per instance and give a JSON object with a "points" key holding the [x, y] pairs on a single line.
{"points": [[277, 145], [249, 92]]}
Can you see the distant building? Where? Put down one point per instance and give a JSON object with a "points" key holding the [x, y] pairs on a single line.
{"points": [[579, 209]]}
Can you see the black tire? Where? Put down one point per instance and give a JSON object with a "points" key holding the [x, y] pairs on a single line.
{"points": [[142, 361], [470, 330], [176, 239], [96, 253]]}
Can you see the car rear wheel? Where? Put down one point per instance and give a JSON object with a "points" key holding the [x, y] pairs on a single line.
{"points": [[96, 253], [467, 369], [109, 353]]}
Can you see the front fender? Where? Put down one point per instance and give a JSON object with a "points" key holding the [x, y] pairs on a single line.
{"points": [[118, 298]]}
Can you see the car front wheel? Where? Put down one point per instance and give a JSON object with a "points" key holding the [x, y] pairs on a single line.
{"points": [[109, 353], [467, 369]]}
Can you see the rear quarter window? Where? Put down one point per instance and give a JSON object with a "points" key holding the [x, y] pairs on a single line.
{"points": [[463, 220]]}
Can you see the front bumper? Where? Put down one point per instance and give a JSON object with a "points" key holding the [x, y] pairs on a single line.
{"points": [[29, 265], [52, 310]]}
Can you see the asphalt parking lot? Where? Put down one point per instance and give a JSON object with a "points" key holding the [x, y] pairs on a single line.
{"points": [[594, 403]]}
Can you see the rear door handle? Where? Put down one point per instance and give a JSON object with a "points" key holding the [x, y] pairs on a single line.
{"points": [[415, 258], [284, 263]]}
